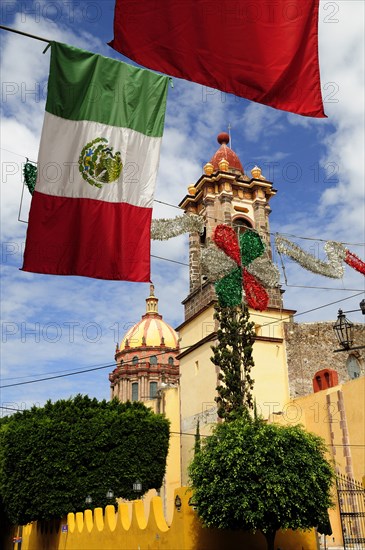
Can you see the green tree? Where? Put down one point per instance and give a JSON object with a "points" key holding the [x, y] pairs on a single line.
{"points": [[53, 457], [197, 439], [256, 476], [233, 355]]}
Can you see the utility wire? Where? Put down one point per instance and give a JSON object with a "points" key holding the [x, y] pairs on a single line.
{"points": [[42, 374], [308, 310], [90, 369], [206, 435], [169, 260], [215, 218], [58, 376], [164, 352]]}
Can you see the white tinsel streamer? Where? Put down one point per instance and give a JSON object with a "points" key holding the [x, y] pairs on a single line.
{"points": [[164, 229], [265, 271], [215, 263], [335, 251]]}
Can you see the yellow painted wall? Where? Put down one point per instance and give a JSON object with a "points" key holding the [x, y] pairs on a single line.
{"points": [[198, 328], [88, 531], [169, 405], [198, 375], [320, 413]]}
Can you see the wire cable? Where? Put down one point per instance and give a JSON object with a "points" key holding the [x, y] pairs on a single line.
{"points": [[213, 217], [206, 435], [167, 351], [90, 369]]}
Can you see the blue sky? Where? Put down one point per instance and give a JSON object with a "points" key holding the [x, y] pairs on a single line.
{"points": [[58, 324]]}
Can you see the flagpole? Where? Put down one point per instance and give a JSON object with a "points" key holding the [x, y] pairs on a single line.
{"points": [[25, 34]]}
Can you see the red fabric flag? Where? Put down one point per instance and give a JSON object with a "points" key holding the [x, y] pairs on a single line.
{"points": [[261, 50]]}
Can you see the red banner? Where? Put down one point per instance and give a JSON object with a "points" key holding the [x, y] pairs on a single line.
{"points": [[261, 50]]}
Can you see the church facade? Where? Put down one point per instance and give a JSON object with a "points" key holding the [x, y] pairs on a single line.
{"points": [[298, 378]]}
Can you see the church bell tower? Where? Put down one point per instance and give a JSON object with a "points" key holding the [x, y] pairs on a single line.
{"points": [[224, 194]]}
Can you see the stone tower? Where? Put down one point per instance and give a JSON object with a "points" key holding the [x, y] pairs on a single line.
{"points": [[225, 194]]}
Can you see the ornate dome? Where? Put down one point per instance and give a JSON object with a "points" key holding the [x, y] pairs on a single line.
{"points": [[225, 153], [151, 331]]}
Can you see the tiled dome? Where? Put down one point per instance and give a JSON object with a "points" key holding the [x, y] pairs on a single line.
{"points": [[151, 331], [225, 153]]}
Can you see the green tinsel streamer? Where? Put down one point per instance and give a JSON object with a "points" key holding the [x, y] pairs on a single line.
{"points": [[251, 246], [229, 289], [30, 176]]}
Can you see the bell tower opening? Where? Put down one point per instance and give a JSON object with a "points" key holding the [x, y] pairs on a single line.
{"points": [[240, 225]]}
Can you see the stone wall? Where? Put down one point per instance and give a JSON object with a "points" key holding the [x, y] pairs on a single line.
{"points": [[199, 299], [310, 348]]}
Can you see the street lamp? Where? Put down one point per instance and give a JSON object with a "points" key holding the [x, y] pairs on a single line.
{"points": [[137, 487], [110, 494], [88, 500], [344, 329]]}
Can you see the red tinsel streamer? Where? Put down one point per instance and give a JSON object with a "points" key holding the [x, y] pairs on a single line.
{"points": [[226, 239], [354, 261], [256, 295]]}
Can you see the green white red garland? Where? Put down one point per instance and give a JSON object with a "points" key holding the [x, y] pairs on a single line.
{"points": [[216, 264], [354, 261], [243, 250], [336, 254]]}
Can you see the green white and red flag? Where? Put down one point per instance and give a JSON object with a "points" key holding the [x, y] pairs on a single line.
{"points": [[92, 205]]}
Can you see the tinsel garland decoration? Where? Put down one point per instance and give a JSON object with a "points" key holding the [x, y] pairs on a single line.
{"points": [[30, 176], [256, 295], [336, 254], [226, 239], [265, 271], [252, 246], [215, 263], [229, 289], [355, 262], [164, 229]]}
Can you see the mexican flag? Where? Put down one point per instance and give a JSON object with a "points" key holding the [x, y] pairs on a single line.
{"points": [[92, 205]]}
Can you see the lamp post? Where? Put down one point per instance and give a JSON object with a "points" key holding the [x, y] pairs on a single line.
{"points": [[110, 495], [137, 487], [344, 329]]}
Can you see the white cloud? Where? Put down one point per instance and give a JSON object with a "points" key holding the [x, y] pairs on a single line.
{"points": [[195, 115], [342, 71], [259, 120]]}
